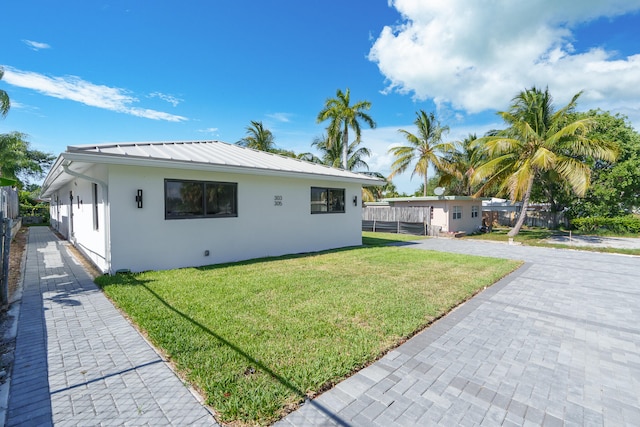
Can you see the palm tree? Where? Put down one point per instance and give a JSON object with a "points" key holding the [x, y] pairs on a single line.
{"points": [[426, 148], [5, 104], [343, 116], [539, 140], [371, 193], [258, 138], [459, 166], [332, 152]]}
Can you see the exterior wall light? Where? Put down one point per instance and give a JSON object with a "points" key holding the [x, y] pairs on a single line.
{"points": [[355, 200], [139, 199]]}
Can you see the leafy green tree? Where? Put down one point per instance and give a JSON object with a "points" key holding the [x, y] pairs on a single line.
{"points": [[262, 139], [540, 139], [459, 165], [31, 205], [431, 185], [343, 116], [615, 186], [5, 103], [332, 152], [425, 149], [377, 192], [18, 161], [307, 157], [258, 138]]}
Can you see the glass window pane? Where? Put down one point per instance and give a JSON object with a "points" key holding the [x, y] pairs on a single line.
{"points": [[457, 212], [221, 199], [318, 200], [183, 199], [336, 200]]}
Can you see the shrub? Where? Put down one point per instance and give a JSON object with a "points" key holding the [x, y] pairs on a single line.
{"points": [[620, 224]]}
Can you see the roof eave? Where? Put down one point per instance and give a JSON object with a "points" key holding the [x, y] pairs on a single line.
{"points": [[179, 164]]}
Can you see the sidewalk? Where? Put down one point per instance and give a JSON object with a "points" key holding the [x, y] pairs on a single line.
{"points": [[78, 361]]}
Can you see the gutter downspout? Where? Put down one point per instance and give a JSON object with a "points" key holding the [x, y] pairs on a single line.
{"points": [[107, 219]]}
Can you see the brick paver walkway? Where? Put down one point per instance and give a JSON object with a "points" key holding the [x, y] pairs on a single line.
{"points": [[556, 343], [79, 362]]}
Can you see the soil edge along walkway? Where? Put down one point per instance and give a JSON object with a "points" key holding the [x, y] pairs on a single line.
{"points": [[78, 361]]}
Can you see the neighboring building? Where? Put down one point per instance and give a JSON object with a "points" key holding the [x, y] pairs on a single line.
{"points": [[450, 213], [162, 205]]}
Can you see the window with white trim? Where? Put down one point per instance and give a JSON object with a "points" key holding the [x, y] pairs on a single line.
{"points": [[457, 212], [475, 211]]}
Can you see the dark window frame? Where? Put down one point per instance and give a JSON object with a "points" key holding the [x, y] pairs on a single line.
{"points": [[205, 185], [328, 208], [94, 191]]}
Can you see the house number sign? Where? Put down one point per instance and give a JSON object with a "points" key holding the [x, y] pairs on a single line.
{"points": [[277, 200]]}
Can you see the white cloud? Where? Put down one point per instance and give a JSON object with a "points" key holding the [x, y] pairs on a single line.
{"points": [[36, 45], [475, 56], [75, 89], [281, 117], [211, 131], [168, 98]]}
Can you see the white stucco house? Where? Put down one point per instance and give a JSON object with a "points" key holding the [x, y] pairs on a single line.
{"points": [[162, 205], [450, 213]]}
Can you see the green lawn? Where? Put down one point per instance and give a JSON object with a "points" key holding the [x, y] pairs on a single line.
{"points": [[537, 237], [527, 236], [381, 239], [256, 337]]}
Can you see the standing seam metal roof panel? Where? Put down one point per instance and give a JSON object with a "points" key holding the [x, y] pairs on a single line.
{"points": [[215, 153]]}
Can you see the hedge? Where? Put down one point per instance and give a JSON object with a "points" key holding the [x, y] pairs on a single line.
{"points": [[620, 224]]}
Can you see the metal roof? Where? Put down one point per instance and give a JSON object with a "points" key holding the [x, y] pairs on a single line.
{"points": [[202, 155]]}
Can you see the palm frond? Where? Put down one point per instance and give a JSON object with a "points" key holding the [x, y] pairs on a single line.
{"points": [[576, 173]]}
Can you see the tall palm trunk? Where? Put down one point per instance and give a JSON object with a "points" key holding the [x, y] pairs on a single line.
{"points": [[345, 146], [424, 190], [523, 212]]}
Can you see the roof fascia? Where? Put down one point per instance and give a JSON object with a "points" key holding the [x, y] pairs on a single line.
{"points": [[187, 165]]}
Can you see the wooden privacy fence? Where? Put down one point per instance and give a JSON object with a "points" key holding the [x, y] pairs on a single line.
{"points": [[404, 214], [5, 246], [402, 220], [8, 210], [534, 218]]}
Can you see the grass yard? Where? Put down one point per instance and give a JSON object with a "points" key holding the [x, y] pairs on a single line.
{"points": [[527, 236], [370, 238], [257, 337], [537, 237]]}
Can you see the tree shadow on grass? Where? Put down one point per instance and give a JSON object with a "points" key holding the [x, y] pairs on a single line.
{"points": [[276, 258], [380, 241], [131, 279]]}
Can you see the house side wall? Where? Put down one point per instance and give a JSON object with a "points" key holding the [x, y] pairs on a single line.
{"points": [[466, 223], [84, 236], [142, 239], [59, 211], [443, 213]]}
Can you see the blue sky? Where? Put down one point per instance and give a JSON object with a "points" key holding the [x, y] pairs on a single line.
{"points": [[88, 72]]}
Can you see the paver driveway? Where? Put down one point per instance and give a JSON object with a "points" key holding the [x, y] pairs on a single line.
{"points": [[556, 343]]}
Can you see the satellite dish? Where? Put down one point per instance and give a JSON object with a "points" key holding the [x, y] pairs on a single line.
{"points": [[438, 191]]}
